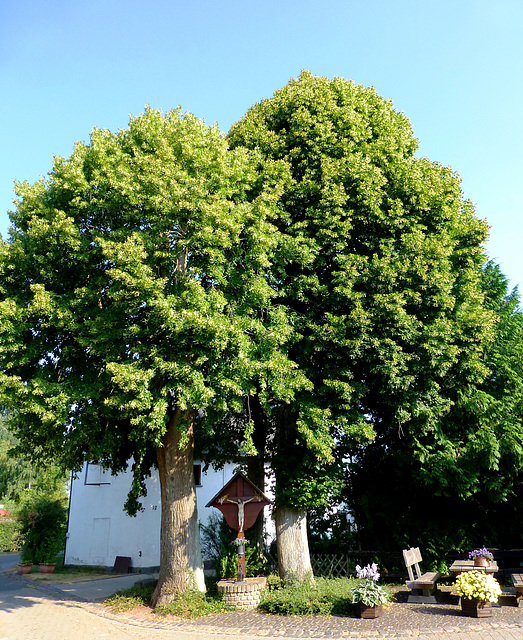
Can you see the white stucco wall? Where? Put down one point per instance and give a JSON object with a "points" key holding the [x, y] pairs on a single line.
{"points": [[99, 529]]}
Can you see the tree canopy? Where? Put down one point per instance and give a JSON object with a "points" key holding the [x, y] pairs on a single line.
{"points": [[305, 286], [466, 480], [379, 265], [133, 296]]}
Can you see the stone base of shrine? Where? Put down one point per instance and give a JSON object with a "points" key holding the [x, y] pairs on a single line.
{"points": [[242, 595]]}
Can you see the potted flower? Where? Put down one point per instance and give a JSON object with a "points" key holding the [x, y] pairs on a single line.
{"points": [[477, 590], [481, 557], [368, 596], [240, 543]]}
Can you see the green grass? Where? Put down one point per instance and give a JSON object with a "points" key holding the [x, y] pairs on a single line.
{"points": [[192, 604], [130, 598]]}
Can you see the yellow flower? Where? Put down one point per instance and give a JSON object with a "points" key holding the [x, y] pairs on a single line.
{"points": [[477, 585]]}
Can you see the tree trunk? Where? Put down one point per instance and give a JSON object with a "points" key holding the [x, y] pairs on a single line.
{"points": [[181, 566], [294, 562]]}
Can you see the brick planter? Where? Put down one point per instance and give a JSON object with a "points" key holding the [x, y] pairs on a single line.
{"points": [[242, 595]]}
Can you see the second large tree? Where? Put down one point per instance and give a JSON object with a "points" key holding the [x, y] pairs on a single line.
{"points": [[378, 266]]}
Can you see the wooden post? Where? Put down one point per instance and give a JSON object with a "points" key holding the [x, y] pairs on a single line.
{"points": [[241, 558]]}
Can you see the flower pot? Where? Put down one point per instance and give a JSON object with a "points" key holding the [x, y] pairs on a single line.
{"points": [[476, 608], [366, 611], [480, 561], [47, 567], [24, 568], [241, 549]]}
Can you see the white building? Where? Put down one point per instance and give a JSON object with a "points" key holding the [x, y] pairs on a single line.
{"points": [[99, 530]]}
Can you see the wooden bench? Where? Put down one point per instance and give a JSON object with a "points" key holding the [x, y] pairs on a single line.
{"points": [[517, 581], [423, 585]]}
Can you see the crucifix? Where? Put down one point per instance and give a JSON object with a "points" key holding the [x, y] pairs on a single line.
{"points": [[240, 502], [241, 507]]}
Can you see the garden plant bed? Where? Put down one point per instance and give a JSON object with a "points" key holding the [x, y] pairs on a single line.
{"points": [[397, 616]]}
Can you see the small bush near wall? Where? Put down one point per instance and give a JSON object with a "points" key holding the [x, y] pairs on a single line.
{"points": [[43, 524], [9, 535]]}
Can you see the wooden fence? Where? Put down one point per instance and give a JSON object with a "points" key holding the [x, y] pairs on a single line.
{"points": [[332, 566], [343, 565]]}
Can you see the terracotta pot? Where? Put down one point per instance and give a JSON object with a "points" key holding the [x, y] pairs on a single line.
{"points": [[24, 568], [47, 567], [480, 561], [476, 608], [365, 611]]}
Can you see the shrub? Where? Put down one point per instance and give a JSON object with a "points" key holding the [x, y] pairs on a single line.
{"points": [[211, 537], [216, 545], [256, 563], [43, 524], [323, 597], [9, 535]]}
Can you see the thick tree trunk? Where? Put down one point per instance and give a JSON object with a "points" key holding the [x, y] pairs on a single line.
{"points": [[294, 562], [180, 555]]}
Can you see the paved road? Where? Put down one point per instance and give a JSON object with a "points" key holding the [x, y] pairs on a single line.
{"points": [[31, 612]]}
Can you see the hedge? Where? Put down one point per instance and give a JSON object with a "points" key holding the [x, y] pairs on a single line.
{"points": [[9, 535]]}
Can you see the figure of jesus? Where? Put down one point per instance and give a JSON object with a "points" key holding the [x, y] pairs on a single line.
{"points": [[241, 508]]}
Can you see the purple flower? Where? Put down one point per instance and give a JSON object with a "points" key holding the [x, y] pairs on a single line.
{"points": [[480, 553], [240, 541], [370, 572]]}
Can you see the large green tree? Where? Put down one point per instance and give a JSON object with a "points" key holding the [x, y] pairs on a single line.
{"points": [[133, 298], [378, 265], [465, 479]]}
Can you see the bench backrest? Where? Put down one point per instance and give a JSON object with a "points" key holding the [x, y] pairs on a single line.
{"points": [[412, 558]]}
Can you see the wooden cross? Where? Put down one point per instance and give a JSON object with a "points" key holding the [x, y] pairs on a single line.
{"points": [[240, 502]]}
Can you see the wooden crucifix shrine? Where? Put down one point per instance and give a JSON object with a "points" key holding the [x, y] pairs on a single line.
{"points": [[240, 502]]}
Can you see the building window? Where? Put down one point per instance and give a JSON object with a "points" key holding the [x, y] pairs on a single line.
{"points": [[95, 474], [197, 469]]}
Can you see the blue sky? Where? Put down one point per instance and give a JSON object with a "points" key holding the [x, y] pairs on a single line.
{"points": [[454, 67]]}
